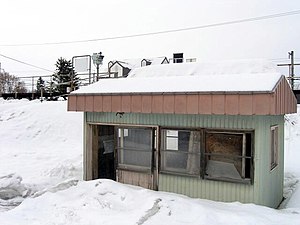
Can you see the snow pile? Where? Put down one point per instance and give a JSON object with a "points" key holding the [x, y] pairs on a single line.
{"points": [[108, 202], [39, 140], [292, 141], [42, 143], [40, 146], [12, 191], [228, 76], [292, 157]]}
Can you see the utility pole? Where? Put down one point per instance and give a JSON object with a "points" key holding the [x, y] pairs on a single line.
{"points": [[292, 75], [291, 66]]}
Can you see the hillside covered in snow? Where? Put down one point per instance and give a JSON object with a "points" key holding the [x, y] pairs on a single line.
{"points": [[41, 179]]}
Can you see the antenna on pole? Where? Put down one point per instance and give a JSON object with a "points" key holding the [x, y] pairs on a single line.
{"points": [[292, 74], [291, 66]]}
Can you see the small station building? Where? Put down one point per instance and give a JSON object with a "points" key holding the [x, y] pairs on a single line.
{"points": [[206, 130]]}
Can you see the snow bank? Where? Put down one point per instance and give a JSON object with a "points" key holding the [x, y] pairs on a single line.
{"points": [[41, 164], [108, 202], [292, 143], [11, 187], [40, 140], [12, 191], [41, 143], [292, 158]]}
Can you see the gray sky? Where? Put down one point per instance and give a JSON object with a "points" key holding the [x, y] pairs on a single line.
{"points": [[36, 22]]}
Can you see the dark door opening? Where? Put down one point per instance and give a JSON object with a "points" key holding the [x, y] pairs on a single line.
{"points": [[106, 159]]}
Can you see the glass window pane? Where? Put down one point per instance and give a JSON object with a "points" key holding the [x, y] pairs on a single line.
{"points": [[135, 146], [172, 143], [172, 133], [186, 158], [134, 158], [175, 160], [274, 146]]}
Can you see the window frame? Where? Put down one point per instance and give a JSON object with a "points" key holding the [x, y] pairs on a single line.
{"points": [[138, 168], [274, 148], [243, 156], [163, 169], [202, 153]]}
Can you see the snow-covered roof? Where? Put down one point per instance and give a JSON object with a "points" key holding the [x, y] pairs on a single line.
{"points": [[225, 76], [130, 63], [136, 63], [156, 61]]}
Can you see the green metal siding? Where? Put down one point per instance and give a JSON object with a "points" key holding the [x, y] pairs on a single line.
{"points": [[267, 186]]}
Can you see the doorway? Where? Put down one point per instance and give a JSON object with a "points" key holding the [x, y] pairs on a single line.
{"points": [[106, 155]]}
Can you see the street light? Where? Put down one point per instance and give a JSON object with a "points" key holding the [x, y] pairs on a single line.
{"points": [[97, 60]]}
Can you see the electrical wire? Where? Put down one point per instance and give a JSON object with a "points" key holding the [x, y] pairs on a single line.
{"points": [[28, 64], [271, 16]]}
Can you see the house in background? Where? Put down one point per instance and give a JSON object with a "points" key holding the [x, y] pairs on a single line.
{"points": [[121, 68], [206, 130]]}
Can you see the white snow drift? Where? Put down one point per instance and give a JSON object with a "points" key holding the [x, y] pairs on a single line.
{"points": [[41, 164]]}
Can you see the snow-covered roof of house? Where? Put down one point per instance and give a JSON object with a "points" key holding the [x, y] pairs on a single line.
{"points": [[242, 87], [130, 63], [136, 63], [229, 76], [156, 60]]}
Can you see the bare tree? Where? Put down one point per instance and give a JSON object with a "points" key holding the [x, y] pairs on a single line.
{"points": [[10, 83]]}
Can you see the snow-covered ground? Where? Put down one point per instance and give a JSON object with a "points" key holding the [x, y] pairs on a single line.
{"points": [[41, 168]]}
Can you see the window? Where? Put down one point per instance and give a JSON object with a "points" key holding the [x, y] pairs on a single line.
{"points": [[181, 151], [134, 147], [210, 154], [228, 155], [274, 147]]}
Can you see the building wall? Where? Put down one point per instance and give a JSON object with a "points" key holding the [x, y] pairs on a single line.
{"points": [[271, 182], [117, 70], [267, 186]]}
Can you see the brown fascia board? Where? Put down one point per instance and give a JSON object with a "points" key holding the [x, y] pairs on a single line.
{"points": [[220, 103], [281, 100], [180, 93]]}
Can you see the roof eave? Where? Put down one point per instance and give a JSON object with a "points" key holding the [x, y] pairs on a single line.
{"points": [[179, 93]]}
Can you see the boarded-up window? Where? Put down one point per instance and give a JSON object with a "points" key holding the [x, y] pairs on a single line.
{"points": [[274, 147], [227, 155]]}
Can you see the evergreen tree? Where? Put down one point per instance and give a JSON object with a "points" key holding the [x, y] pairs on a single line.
{"points": [[65, 76], [40, 84]]}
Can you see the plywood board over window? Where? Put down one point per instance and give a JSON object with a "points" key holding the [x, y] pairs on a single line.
{"points": [[228, 155]]}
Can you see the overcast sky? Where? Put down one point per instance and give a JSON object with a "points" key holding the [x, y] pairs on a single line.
{"points": [[36, 22]]}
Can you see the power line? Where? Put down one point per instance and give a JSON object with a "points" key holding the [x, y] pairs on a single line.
{"points": [[283, 59], [271, 16], [19, 61]]}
